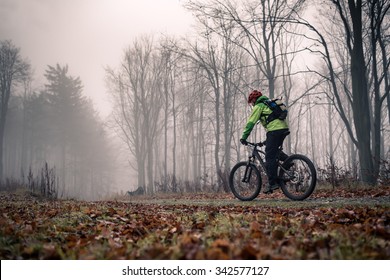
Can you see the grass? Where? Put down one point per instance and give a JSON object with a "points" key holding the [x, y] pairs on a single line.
{"points": [[330, 225]]}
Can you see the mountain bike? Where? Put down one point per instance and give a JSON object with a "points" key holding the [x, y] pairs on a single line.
{"points": [[297, 175]]}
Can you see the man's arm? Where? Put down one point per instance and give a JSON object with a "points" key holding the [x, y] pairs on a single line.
{"points": [[253, 119]]}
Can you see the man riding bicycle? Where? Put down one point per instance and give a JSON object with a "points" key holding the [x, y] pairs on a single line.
{"points": [[277, 130]]}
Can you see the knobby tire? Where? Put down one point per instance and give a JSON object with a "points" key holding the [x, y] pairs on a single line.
{"points": [[245, 191], [300, 178]]}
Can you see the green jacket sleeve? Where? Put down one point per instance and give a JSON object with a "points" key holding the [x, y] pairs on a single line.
{"points": [[253, 119]]}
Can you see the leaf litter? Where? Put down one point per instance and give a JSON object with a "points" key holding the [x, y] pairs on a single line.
{"points": [[197, 227]]}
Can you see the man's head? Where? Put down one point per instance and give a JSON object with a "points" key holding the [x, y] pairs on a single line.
{"points": [[253, 97]]}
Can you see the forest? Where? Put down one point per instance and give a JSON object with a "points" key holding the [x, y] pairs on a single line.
{"points": [[150, 180], [179, 104]]}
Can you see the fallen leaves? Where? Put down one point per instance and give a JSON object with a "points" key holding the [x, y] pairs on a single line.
{"points": [[40, 229]]}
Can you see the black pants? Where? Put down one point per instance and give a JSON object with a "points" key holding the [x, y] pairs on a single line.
{"points": [[273, 142]]}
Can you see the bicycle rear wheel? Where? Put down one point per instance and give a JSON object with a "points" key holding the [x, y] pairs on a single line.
{"points": [[299, 177], [245, 181]]}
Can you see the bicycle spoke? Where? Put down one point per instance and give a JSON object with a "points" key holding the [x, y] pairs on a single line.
{"points": [[299, 178], [245, 181]]}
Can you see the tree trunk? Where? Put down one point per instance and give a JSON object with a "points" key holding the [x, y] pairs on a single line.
{"points": [[360, 96], [174, 186], [165, 161], [150, 150], [2, 128], [217, 135]]}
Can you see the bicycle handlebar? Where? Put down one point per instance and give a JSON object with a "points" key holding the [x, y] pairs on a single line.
{"points": [[260, 144]]}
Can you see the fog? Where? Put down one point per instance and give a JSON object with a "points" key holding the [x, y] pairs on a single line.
{"points": [[152, 95], [86, 34]]}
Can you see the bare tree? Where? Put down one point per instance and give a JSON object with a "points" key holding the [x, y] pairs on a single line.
{"points": [[378, 12], [219, 59], [12, 70], [256, 28], [256, 24], [354, 41], [171, 65], [137, 88], [352, 20]]}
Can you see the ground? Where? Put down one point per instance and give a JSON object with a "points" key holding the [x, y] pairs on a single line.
{"points": [[345, 223]]}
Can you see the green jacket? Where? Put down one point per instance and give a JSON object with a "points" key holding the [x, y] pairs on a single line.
{"points": [[260, 113]]}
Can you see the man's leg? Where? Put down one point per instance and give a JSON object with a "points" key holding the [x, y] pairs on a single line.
{"points": [[271, 150], [283, 156], [274, 141]]}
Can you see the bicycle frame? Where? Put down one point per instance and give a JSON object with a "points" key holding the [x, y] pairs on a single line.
{"points": [[256, 154]]}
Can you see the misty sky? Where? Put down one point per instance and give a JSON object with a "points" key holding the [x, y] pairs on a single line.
{"points": [[86, 34]]}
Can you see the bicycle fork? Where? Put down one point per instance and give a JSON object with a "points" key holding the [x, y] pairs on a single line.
{"points": [[248, 171]]}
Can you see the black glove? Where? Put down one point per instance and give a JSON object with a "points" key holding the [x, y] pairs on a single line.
{"points": [[244, 142]]}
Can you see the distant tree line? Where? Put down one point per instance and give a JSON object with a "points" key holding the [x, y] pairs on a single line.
{"points": [[54, 129]]}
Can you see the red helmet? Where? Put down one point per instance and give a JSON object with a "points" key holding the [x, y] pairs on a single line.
{"points": [[253, 96]]}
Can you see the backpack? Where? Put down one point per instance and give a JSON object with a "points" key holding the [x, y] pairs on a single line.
{"points": [[279, 109]]}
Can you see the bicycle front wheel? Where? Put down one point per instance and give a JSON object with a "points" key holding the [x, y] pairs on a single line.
{"points": [[299, 177], [245, 181]]}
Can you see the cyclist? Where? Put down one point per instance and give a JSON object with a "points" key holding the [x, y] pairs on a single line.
{"points": [[277, 130]]}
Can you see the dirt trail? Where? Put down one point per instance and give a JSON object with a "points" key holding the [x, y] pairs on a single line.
{"points": [[320, 198], [342, 224]]}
